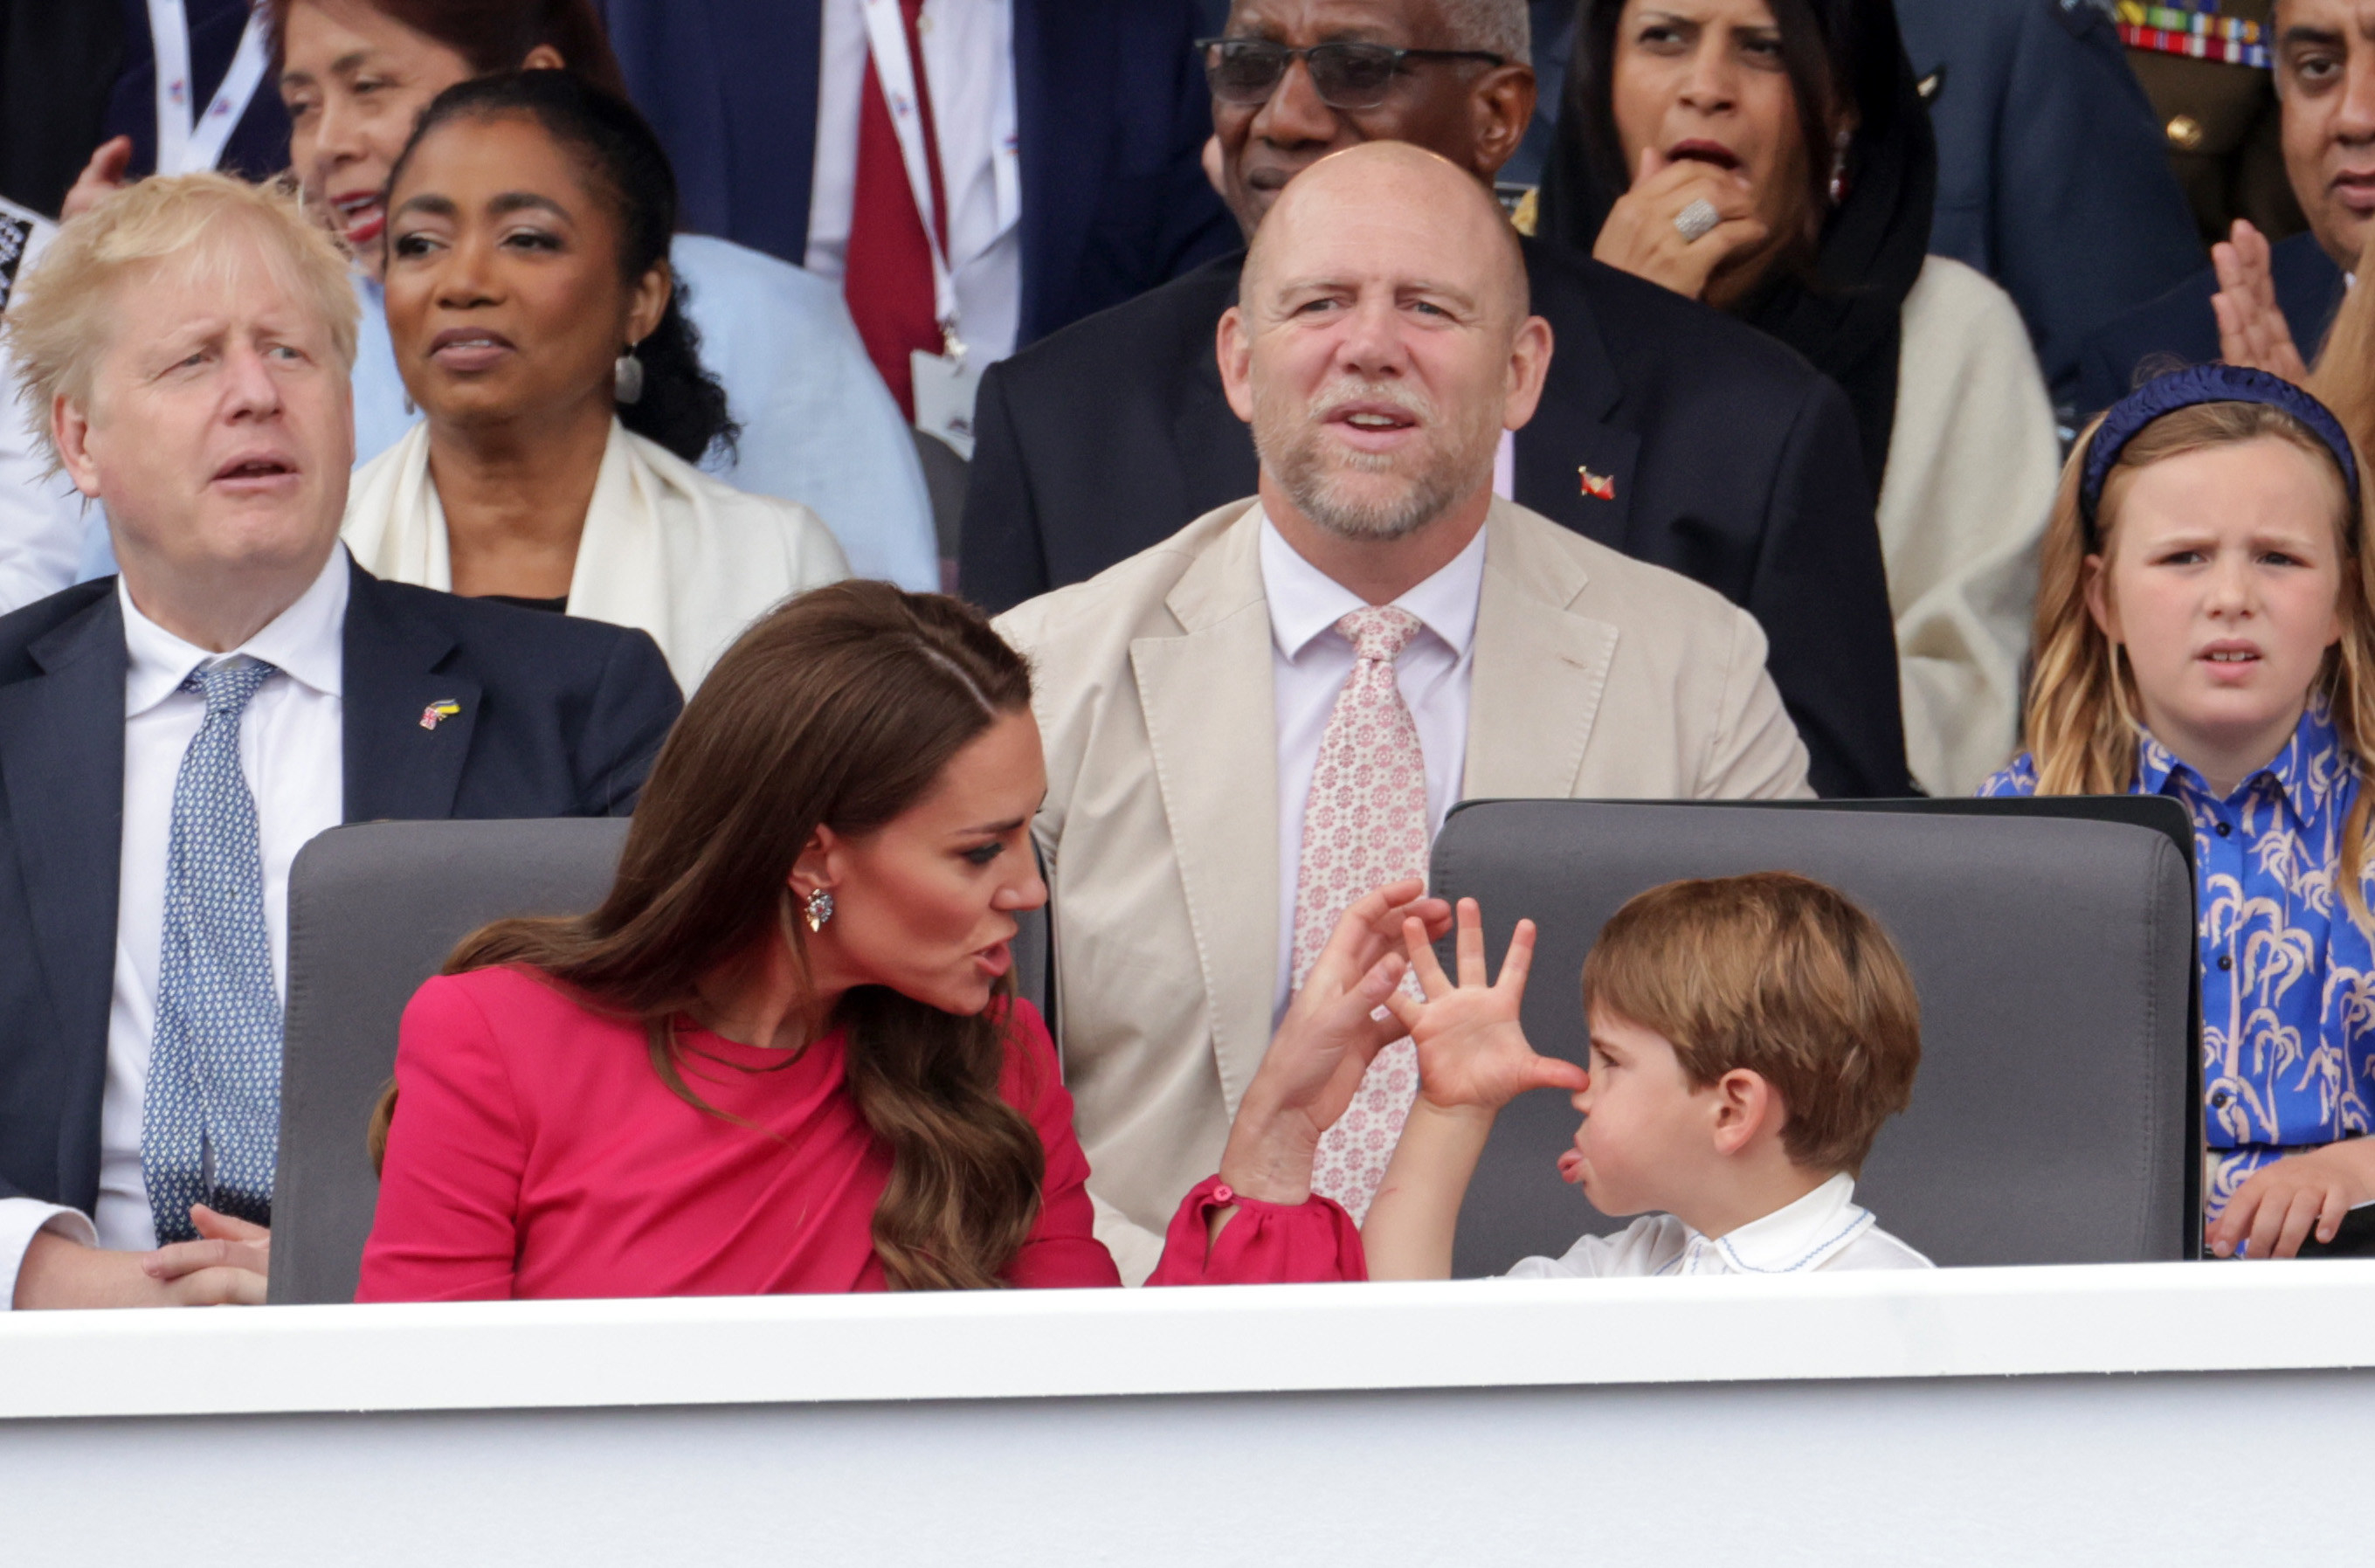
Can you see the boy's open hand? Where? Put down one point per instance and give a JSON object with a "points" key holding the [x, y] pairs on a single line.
{"points": [[1471, 1050]]}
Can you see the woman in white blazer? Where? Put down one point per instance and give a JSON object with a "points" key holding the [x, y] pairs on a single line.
{"points": [[534, 318]]}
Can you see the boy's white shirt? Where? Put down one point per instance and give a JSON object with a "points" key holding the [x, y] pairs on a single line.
{"points": [[1825, 1229]]}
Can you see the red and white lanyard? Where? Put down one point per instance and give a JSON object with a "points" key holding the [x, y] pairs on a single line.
{"points": [[187, 143]]}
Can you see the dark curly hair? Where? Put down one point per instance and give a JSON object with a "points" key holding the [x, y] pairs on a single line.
{"points": [[683, 407]]}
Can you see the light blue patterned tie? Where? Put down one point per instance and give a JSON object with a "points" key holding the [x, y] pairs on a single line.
{"points": [[210, 1128]]}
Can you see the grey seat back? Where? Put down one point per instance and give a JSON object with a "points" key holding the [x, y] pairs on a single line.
{"points": [[2052, 1121], [374, 910]]}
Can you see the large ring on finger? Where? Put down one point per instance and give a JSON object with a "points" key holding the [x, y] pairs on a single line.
{"points": [[1695, 220]]}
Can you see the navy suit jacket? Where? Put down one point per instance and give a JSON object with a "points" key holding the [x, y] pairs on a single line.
{"points": [[2180, 328], [2052, 178], [258, 148], [561, 717], [1732, 462], [1111, 109]]}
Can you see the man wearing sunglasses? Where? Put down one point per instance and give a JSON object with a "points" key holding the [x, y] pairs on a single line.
{"points": [[1664, 430]]}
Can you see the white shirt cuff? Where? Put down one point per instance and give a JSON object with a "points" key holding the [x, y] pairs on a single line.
{"points": [[22, 1219]]}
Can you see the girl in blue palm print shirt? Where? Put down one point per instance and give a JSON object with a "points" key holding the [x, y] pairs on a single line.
{"points": [[2204, 633]]}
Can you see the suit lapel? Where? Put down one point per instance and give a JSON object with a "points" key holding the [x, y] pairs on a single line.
{"points": [[400, 767], [1574, 466], [1205, 693], [62, 759], [1216, 452], [1541, 668]]}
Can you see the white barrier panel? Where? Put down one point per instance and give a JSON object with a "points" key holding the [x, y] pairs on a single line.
{"points": [[1962, 1416]]}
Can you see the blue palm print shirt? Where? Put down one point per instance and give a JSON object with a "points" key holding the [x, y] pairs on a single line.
{"points": [[2288, 977]]}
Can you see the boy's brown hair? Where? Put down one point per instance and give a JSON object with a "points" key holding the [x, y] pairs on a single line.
{"points": [[1781, 976]]}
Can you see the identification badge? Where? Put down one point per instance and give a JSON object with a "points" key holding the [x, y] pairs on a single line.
{"points": [[945, 388]]}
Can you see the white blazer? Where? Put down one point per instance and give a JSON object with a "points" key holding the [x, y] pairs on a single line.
{"points": [[1595, 674], [665, 547]]}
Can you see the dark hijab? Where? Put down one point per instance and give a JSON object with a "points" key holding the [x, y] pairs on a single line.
{"points": [[1841, 306]]}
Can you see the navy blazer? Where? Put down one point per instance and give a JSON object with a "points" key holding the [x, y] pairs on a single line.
{"points": [[2180, 328], [2052, 178], [1111, 112], [258, 148], [560, 718], [1731, 461]]}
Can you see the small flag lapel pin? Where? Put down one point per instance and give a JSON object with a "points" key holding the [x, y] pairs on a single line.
{"points": [[1601, 485], [443, 708]]}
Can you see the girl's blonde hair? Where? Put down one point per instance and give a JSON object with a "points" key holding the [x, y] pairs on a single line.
{"points": [[2084, 709]]}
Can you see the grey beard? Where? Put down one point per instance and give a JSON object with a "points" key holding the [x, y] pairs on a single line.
{"points": [[1298, 464]]}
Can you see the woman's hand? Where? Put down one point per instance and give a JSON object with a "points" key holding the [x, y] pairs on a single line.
{"points": [[1641, 237], [1471, 1048], [2278, 1205], [2251, 329], [100, 179], [1329, 1035]]}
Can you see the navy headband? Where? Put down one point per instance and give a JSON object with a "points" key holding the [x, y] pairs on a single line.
{"points": [[2188, 388]]}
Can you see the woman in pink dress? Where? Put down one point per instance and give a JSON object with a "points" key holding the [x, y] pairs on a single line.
{"points": [[785, 1053]]}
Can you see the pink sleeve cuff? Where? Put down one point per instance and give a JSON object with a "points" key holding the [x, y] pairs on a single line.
{"points": [[1266, 1243]]}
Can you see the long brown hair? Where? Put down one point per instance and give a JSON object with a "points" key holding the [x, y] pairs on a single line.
{"points": [[492, 35], [2084, 716], [840, 708]]}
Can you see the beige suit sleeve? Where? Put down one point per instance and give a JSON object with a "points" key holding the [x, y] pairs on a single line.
{"points": [[1755, 753]]}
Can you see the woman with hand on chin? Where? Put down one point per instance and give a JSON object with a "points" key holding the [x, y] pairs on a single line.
{"points": [[1773, 158], [534, 317], [786, 1055]]}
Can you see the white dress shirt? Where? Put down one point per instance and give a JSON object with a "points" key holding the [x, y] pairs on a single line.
{"points": [[1825, 1229], [291, 748], [972, 119], [1310, 662]]}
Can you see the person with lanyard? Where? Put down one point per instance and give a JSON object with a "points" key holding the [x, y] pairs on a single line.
{"points": [[1776, 163]]}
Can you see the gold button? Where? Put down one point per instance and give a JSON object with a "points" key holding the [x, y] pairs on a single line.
{"points": [[2184, 133]]}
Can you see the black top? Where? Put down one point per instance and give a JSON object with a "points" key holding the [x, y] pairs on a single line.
{"points": [[1843, 306], [557, 717], [551, 606], [1731, 462]]}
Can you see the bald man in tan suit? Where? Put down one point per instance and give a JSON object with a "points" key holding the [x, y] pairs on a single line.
{"points": [[1380, 348]]}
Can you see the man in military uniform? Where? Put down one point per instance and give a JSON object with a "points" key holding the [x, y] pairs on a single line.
{"points": [[2204, 66], [2322, 59]]}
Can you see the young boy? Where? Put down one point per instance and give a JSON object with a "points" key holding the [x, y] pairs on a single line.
{"points": [[1749, 1034]]}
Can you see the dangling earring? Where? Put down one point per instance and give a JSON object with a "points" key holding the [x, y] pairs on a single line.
{"points": [[627, 375], [820, 909], [1840, 168]]}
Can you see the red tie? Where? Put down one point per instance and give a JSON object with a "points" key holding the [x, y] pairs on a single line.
{"points": [[887, 277]]}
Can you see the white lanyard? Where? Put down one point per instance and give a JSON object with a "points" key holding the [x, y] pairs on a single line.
{"points": [[185, 145], [896, 69]]}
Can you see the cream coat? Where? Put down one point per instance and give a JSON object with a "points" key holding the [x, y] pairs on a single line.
{"points": [[665, 547], [1973, 461], [1595, 674]]}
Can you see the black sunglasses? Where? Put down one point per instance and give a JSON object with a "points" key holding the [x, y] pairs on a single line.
{"points": [[1346, 75]]}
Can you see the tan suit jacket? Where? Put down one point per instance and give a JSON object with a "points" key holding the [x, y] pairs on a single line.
{"points": [[1595, 676]]}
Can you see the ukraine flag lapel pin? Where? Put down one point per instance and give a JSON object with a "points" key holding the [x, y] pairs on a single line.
{"points": [[443, 708]]}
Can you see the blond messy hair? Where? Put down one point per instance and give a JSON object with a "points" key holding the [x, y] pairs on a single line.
{"points": [[1782, 975], [59, 324], [2084, 711]]}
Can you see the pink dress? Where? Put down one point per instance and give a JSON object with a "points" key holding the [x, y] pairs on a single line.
{"points": [[536, 1152]]}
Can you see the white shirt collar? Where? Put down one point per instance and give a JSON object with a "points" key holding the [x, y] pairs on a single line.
{"points": [[307, 641], [1305, 601], [1797, 1236]]}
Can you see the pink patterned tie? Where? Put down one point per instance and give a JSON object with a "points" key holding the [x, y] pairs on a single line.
{"points": [[1364, 826]]}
